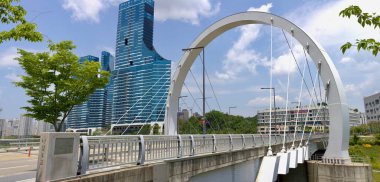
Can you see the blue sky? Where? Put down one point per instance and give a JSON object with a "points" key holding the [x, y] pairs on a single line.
{"points": [[237, 61]]}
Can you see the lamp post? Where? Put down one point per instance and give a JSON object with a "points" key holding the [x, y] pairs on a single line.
{"points": [[274, 103], [229, 109], [182, 96]]}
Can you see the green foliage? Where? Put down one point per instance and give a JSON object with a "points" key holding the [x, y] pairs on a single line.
{"points": [[371, 154], [355, 140], [145, 130], [156, 129], [56, 82], [364, 19], [219, 123], [361, 129], [15, 14], [374, 127]]}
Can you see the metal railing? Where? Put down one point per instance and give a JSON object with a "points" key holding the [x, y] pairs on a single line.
{"points": [[18, 144], [99, 152]]}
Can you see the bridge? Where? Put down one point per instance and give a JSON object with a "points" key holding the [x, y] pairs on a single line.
{"points": [[243, 157], [186, 157]]}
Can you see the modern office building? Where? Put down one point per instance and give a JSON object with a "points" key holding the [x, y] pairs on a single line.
{"points": [[97, 111], [372, 107], [90, 113], [141, 76], [108, 64]]}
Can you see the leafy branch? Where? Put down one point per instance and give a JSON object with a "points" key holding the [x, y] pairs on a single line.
{"points": [[364, 19]]}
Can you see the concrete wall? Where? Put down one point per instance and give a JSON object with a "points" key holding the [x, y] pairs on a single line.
{"points": [[320, 172], [245, 171]]}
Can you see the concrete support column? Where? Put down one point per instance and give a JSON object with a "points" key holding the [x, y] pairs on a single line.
{"points": [[355, 172]]}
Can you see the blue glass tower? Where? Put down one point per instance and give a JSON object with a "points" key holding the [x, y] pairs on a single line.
{"points": [[108, 64], [90, 113], [142, 76]]}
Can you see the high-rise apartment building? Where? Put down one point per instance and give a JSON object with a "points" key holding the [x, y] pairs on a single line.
{"points": [[372, 107], [25, 126], [3, 127], [142, 76]]}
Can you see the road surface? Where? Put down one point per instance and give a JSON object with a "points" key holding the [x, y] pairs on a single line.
{"points": [[17, 167]]}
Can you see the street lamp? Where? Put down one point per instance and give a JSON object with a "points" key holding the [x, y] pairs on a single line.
{"points": [[229, 109], [204, 85], [182, 96]]}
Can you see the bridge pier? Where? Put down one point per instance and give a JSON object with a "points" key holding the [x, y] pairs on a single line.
{"points": [[354, 172]]}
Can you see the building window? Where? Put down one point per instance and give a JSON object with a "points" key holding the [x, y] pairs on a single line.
{"points": [[131, 63], [126, 41]]}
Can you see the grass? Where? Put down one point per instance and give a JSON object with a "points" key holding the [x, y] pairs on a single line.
{"points": [[376, 176], [370, 154]]}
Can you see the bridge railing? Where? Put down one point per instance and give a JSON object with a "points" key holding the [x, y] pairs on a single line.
{"points": [[99, 152]]}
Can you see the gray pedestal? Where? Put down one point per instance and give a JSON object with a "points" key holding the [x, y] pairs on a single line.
{"points": [[58, 156]]}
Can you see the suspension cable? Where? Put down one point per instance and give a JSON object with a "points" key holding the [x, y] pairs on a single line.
{"points": [[299, 106], [286, 108], [307, 115], [212, 87], [298, 67], [158, 103], [270, 90], [319, 109], [200, 90], [194, 100], [139, 100], [145, 106]]}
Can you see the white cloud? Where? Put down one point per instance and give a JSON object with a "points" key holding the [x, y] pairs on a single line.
{"points": [[325, 25], [7, 58], [13, 77], [185, 10], [285, 63], [346, 60], [88, 10], [264, 101], [182, 10], [240, 57]]}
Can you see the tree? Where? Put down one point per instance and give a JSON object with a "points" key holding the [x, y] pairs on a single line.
{"points": [[364, 19], [15, 14], [156, 129], [56, 82], [145, 130]]}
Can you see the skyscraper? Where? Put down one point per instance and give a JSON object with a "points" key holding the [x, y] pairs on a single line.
{"points": [[142, 76], [90, 113], [108, 64]]}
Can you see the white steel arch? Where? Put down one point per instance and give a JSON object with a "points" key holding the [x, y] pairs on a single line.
{"points": [[337, 149]]}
